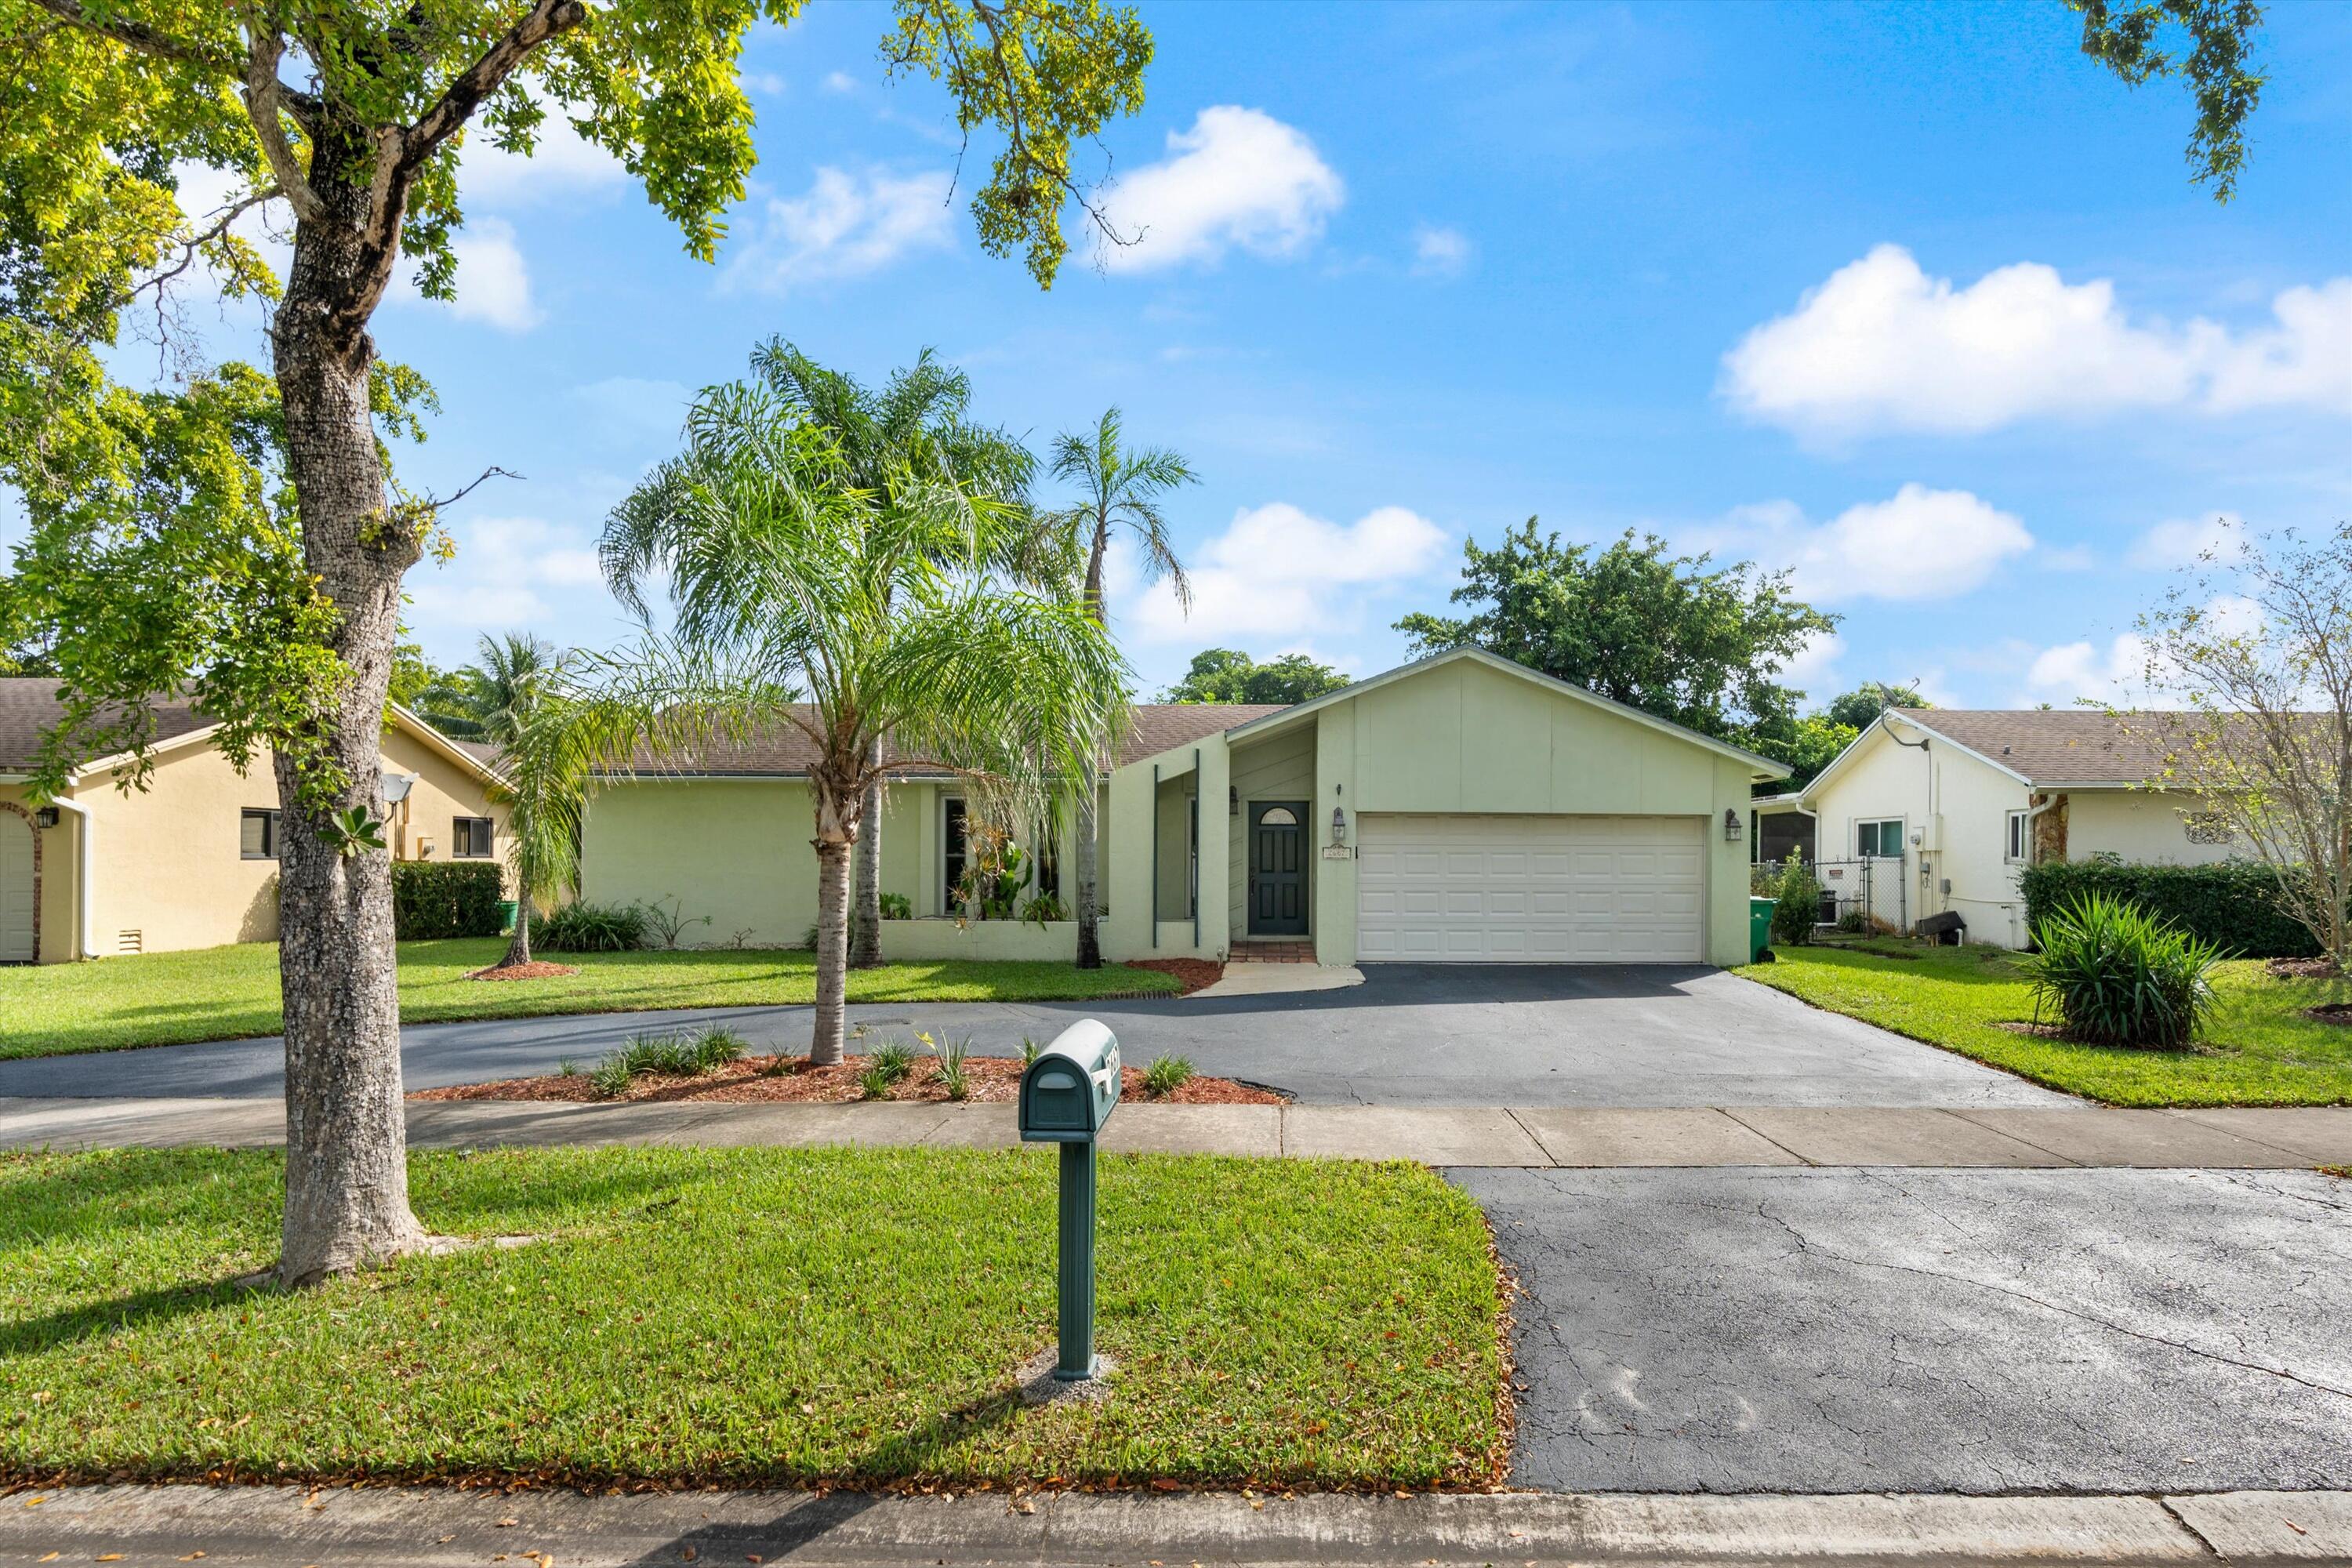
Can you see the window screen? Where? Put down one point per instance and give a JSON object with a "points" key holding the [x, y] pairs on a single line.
{"points": [[473, 838], [257, 835], [1879, 838]]}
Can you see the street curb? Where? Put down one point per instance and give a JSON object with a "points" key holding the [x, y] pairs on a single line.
{"points": [[429, 1528]]}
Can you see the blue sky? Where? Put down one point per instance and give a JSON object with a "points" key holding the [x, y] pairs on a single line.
{"points": [[1912, 298]]}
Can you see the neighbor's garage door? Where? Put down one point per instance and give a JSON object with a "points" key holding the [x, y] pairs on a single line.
{"points": [[1566, 889]]}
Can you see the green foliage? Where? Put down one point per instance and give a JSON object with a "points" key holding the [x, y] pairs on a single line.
{"points": [[1030, 1051], [893, 1059], [353, 831], [875, 1084], [1807, 744], [2114, 975], [591, 927], [1229, 675], [433, 899], [668, 923], [2125, 37], [1852, 922], [1866, 703], [1166, 1075], [1670, 635], [1044, 909], [611, 1077], [1122, 490], [2231, 905], [952, 1051], [898, 907], [692, 1054], [1797, 895]]}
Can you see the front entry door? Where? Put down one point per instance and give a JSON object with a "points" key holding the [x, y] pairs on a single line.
{"points": [[1277, 868]]}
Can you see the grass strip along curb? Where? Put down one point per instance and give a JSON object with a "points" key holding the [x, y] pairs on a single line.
{"points": [[231, 992], [2258, 1049], [822, 1316]]}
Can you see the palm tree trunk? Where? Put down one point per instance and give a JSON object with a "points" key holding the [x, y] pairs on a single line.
{"points": [[865, 918], [832, 950], [1089, 939], [519, 945]]}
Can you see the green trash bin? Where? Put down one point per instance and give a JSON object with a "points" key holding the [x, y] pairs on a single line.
{"points": [[1759, 930], [507, 916]]}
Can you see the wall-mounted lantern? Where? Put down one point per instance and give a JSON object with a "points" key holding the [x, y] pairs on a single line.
{"points": [[1339, 826], [46, 818], [1233, 800], [1731, 824]]}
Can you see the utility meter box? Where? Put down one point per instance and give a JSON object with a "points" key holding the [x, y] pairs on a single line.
{"points": [[1068, 1092]]}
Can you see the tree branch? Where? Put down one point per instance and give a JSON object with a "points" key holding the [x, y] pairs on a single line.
{"points": [[544, 20], [263, 100], [196, 243], [138, 35]]}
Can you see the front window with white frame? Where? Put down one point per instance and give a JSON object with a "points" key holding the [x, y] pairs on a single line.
{"points": [[1879, 839]]}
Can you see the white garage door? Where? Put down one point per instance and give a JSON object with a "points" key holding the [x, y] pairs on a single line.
{"points": [[1545, 889]]}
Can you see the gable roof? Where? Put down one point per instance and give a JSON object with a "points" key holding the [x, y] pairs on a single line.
{"points": [[30, 707], [2044, 748], [1765, 768]]}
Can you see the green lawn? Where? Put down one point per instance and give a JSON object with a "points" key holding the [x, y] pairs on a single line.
{"points": [[2258, 1052], [222, 992], [751, 1315]]}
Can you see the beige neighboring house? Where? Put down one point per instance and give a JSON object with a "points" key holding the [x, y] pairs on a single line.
{"points": [[1931, 810], [1460, 809], [191, 860]]}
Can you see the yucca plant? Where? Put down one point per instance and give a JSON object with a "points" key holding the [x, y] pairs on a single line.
{"points": [[2114, 975], [1166, 1075], [954, 1077], [892, 1060]]}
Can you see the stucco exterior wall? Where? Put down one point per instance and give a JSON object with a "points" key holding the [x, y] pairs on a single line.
{"points": [[2142, 826], [166, 868], [1129, 805]]}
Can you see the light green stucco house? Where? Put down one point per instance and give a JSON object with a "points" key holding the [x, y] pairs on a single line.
{"points": [[1460, 809]]}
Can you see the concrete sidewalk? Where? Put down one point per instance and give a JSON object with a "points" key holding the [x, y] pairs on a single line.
{"points": [[1704, 1136], [431, 1526]]}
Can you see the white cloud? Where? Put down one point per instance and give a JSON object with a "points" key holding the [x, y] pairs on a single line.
{"points": [[501, 567], [1882, 346], [493, 283], [1239, 179], [628, 406], [839, 81], [1814, 669], [768, 84], [2075, 670], [847, 226], [2183, 541], [562, 165], [1280, 574], [1440, 252], [1917, 544]]}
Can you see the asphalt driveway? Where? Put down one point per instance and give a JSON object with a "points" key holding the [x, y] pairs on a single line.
{"points": [[1411, 1034], [1852, 1331]]}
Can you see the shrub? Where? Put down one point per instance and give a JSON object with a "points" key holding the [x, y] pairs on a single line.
{"points": [[591, 927], [1166, 1075], [953, 1077], [446, 897], [1029, 1051], [875, 1084], [1852, 923], [2116, 975], [892, 1059], [610, 1077], [2233, 904], [1044, 909], [895, 907], [665, 923], [1798, 895]]}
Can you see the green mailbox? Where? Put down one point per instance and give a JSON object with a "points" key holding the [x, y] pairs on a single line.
{"points": [[1067, 1095]]}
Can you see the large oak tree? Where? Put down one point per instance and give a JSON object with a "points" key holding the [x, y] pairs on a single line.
{"points": [[253, 552]]}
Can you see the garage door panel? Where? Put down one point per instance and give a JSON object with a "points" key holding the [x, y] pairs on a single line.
{"points": [[1531, 888]]}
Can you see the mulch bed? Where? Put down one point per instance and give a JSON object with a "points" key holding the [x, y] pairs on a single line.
{"points": [[538, 969], [993, 1080], [2339, 1013], [2038, 1031], [1195, 973], [2322, 968]]}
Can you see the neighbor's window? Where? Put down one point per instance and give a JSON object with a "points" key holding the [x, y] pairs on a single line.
{"points": [[2206, 826], [471, 839], [257, 835], [955, 848], [1883, 838], [2015, 851]]}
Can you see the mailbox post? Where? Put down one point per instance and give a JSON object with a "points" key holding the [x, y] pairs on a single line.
{"points": [[1067, 1095]]}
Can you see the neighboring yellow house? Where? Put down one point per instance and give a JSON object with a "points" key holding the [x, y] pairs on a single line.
{"points": [[1460, 809], [191, 860]]}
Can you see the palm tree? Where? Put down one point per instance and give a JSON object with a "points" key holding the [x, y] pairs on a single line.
{"points": [[1122, 490], [917, 423], [480, 702], [851, 615]]}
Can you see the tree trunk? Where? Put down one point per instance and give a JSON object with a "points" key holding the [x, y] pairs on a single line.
{"points": [[865, 920], [519, 945], [832, 950], [346, 1142], [1089, 939]]}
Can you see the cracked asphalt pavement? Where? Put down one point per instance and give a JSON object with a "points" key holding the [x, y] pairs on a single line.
{"points": [[1864, 1329]]}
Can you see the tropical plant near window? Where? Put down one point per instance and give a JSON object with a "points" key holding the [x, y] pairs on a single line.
{"points": [[804, 603], [1121, 491]]}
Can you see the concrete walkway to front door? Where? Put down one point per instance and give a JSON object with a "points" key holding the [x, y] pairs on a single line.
{"points": [[1537, 1138]]}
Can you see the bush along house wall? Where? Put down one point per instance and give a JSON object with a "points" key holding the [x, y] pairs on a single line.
{"points": [[2233, 904], [446, 897]]}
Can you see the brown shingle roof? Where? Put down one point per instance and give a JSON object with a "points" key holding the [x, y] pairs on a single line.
{"points": [[30, 707], [1153, 728], [2057, 746]]}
